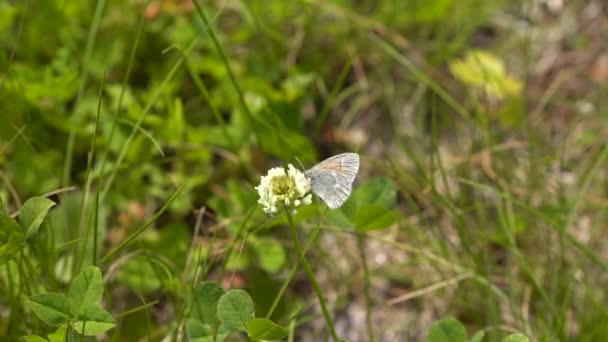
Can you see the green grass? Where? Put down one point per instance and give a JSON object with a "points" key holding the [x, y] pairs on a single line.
{"points": [[132, 136]]}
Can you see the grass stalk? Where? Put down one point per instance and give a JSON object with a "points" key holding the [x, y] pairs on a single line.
{"points": [[366, 289], [141, 229], [233, 80], [311, 277]]}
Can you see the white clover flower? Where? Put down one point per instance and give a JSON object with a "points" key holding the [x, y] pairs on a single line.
{"points": [[280, 188]]}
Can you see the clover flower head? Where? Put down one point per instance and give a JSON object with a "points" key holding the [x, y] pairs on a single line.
{"points": [[280, 187]]}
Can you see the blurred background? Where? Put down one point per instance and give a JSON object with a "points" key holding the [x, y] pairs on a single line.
{"points": [[481, 127]]}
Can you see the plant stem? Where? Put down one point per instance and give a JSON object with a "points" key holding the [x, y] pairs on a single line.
{"points": [[366, 289], [294, 268], [311, 277]]}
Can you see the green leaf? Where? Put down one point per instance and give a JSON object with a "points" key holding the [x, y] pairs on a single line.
{"points": [[447, 330], [85, 291], [478, 337], [32, 214], [235, 310], [373, 217], [516, 338], [265, 330], [58, 335], [33, 338], [206, 295], [95, 321], [196, 331], [381, 191], [271, 254], [52, 308]]}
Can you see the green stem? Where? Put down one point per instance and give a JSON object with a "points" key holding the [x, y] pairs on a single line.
{"points": [[235, 84], [366, 289], [311, 277], [294, 268], [141, 229]]}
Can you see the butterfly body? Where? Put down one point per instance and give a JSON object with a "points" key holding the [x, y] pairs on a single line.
{"points": [[332, 179]]}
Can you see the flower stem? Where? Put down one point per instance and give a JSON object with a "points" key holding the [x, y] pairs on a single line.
{"points": [[366, 289], [294, 268], [311, 277]]}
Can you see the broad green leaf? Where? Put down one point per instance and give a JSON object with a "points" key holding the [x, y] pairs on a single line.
{"points": [[516, 338], [373, 217], [85, 291], [478, 337], [58, 335], [52, 308], [265, 330], [235, 310], [271, 254], [95, 321], [33, 338], [381, 191], [32, 214], [197, 332], [447, 330], [205, 297]]}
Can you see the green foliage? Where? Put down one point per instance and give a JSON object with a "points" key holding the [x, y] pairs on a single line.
{"points": [[516, 338], [235, 309], [206, 296], [215, 314], [51, 308], [451, 329], [447, 330], [32, 214], [79, 307], [369, 207], [482, 149], [265, 330], [373, 217]]}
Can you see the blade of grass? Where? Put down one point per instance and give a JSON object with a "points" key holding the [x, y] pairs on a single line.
{"points": [[67, 168], [14, 50], [331, 97], [136, 309], [235, 84], [366, 289], [141, 229], [143, 115], [10, 142], [87, 185], [294, 268], [203, 90], [123, 89], [420, 75], [545, 218], [311, 276]]}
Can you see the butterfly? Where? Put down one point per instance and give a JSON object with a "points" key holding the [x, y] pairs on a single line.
{"points": [[332, 179]]}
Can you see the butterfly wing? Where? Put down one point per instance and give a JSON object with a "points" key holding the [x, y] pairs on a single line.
{"points": [[332, 179]]}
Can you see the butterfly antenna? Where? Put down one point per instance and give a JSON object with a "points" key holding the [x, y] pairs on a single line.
{"points": [[300, 163]]}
